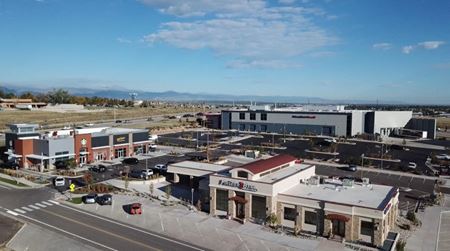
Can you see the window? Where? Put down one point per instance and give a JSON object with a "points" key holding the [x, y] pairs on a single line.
{"points": [[222, 200], [242, 115], [242, 127], [310, 218], [252, 116], [242, 174], [263, 116], [290, 213], [252, 128], [367, 228], [263, 128]]}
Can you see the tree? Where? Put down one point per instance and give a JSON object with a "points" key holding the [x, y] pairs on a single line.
{"points": [[58, 96], [27, 95], [168, 191], [272, 219], [87, 177], [71, 163]]}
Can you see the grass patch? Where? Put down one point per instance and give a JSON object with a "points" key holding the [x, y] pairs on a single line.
{"points": [[76, 200], [12, 182]]}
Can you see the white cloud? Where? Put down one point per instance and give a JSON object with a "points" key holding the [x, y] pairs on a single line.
{"points": [[273, 64], [431, 45], [382, 46], [248, 31], [123, 40], [407, 49], [286, 1]]}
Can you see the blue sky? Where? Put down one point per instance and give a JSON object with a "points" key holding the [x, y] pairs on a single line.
{"points": [[336, 49]]}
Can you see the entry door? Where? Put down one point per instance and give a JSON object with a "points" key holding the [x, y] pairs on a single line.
{"points": [[82, 159], [240, 210], [339, 228]]}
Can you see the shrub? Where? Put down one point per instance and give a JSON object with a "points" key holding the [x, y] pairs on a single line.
{"points": [[401, 246]]}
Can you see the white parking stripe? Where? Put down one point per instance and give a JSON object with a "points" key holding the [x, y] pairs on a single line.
{"points": [[12, 212], [40, 205], [33, 206], [54, 202], [47, 203], [19, 211], [27, 209]]}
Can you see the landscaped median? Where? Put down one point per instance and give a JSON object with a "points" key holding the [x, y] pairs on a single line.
{"points": [[12, 182]]}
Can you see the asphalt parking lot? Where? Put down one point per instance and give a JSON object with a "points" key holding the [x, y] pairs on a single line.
{"points": [[443, 242]]}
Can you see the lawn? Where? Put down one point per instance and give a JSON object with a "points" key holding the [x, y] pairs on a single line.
{"points": [[76, 200], [12, 182]]}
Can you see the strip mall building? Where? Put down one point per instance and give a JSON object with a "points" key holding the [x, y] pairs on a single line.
{"points": [[284, 186], [31, 149]]}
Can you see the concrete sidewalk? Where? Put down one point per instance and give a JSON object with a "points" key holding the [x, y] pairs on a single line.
{"points": [[205, 230]]}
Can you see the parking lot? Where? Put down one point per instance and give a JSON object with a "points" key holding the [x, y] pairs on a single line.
{"points": [[443, 242]]}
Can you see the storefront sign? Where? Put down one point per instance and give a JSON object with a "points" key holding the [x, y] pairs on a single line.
{"points": [[120, 139], [303, 117], [241, 185], [83, 142]]}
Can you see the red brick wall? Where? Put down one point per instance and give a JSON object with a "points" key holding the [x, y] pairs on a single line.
{"points": [[78, 146], [23, 147]]}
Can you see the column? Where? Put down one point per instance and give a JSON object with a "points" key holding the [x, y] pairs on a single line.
{"points": [[212, 202], [176, 178], [248, 206], [327, 227], [299, 218], [130, 145], [231, 204], [349, 228], [378, 233], [280, 213]]}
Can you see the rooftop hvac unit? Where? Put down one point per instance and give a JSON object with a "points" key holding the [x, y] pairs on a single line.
{"points": [[314, 180], [348, 183]]}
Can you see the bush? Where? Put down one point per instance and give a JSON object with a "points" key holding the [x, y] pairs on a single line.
{"points": [[401, 246], [411, 216]]}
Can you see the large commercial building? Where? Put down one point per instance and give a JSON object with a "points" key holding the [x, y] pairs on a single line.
{"points": [[31, 149], [285, 187], [320, 120]]}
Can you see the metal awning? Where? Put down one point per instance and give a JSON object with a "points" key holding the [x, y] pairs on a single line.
{"points": [[10, 154], [84, 152], [238, 199], [43, 157]]}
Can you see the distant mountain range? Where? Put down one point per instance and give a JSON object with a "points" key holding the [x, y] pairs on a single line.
{"points": [[186, 97]]}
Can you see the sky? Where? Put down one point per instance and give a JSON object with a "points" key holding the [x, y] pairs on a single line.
{"points": [[334, 49]]}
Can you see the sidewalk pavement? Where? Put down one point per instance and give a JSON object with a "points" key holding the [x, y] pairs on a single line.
{"points": [[425, 237], [204, 230]]}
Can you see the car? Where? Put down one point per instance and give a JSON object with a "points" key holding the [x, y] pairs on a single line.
{"points": [[89, 124], [188, 115], [98, 169], [172, 117], [10, 165], [161, 167], [60, 164], [130, 161], [412, 165], [330, 140], [59, 181], [105, 199], [90, 198], [350, 167], [118, 121], [138, 174], [136, 208], [147, 172], [443, 157], [150, 119]]}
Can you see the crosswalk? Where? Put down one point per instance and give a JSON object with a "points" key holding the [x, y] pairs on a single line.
{"points": [[34, 206]]}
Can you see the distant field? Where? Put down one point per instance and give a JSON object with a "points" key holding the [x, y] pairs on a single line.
{"points": [[443, 122], [52, 118]]}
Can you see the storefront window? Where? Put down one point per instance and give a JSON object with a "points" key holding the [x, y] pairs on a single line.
{"points": [[310, 218], [241, 115], [367, 228], [242, 174], [221, 200], [258, 207], [252, 116], [290, 213]]}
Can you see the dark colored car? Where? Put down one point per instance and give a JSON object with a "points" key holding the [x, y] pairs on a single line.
{"points": [[351, 168], [137, 174], [98, 169], [136, 208], [130, 161], [118, 121], [60, 164], [90, 198], [105, 199], [188, 115], [10, 165]]}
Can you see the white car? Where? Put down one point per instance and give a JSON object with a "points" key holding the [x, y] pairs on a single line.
{"points": [[162, 167], [147, 172], [60, 181], [330, 140], [443, 157], [412, 165]]}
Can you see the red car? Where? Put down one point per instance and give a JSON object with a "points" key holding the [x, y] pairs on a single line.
{"points": [[136, 208]]}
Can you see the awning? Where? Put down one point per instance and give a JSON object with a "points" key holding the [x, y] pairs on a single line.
{"points": [[13, 155], [338, 217], [43, 157], [238, 199], [84, 152]]}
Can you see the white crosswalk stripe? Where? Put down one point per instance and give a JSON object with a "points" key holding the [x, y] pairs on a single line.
{"points": [[40, 205], [19, 211], [27, 209], [33, 206], [54, 202], [47, 203]]}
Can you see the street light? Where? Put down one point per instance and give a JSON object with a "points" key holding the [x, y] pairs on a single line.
{"points": [[192, 196]]}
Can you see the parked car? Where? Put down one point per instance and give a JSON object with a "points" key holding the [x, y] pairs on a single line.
{"points": [[147, 172], [59, 181], [138, 174], [152, 147], [188, 115], [60, 164], [330, 140], [118, 121], [90, 198], [412, 165], [105, 199], [98, 169], [130, 161], [10, 165], [136, 208], [161, 167], [89, 124], [443, 157]]}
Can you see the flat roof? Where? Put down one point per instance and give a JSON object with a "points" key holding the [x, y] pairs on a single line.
{"points": [[117, 131], [371, 196], [200, 166], [283, 173]]}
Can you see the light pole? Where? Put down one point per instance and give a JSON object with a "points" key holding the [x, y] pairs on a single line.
{"points": [[192, 196]]}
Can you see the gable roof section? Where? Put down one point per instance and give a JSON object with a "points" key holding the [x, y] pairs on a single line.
{"points": [[267, 164]]}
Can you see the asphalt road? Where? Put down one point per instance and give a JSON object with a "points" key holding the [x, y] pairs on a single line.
{"points": [[36, 207]]}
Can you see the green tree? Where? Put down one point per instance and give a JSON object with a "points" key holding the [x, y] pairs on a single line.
{"points": [[59, 96], [87, 177], [168, 191]]}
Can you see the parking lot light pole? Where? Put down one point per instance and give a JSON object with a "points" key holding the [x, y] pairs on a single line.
{"points": [[192, 196]]}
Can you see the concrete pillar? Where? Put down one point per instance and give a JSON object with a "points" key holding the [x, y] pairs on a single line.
{"points": [[212, 202], [327, 227], [111, 147], [280, 212], [130, 144], [299, 217], [356, 228], [271, 206], [176, 178], [378, 233], [231, 204], [349, 228], [248, 206]]}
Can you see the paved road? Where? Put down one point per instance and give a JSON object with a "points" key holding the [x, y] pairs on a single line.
{"points": [[37, 207]]}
